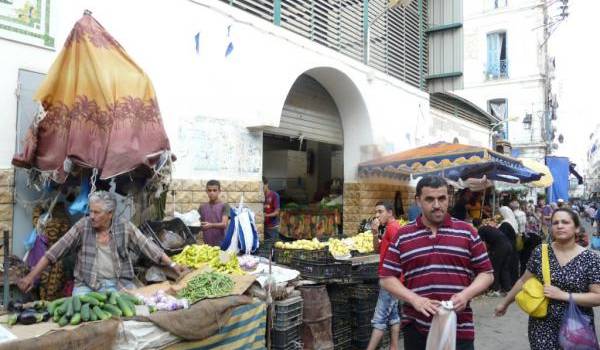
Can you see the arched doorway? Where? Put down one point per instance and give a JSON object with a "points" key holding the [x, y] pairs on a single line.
{"points": [[314, 150]]}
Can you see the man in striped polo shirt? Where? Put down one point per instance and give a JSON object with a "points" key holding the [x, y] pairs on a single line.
{"points": [[442, 259]]}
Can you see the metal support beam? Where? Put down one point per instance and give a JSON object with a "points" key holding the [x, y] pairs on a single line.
{"points": [[365, 22], [421, 49], [277, 12], [444, 27]]}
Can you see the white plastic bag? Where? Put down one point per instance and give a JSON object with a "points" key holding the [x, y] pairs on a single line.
{"points": [[442, 333], [191, 218], [241, 234]]}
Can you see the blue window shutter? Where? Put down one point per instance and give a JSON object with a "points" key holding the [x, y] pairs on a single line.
{"points": [[493, 54]]}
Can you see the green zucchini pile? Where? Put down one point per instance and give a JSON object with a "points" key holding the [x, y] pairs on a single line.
{"points": [[93, 306]]}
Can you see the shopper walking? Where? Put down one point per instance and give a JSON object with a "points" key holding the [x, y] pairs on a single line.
{"points": [[386, 311], [574, 271], [442, 259], [509, 227], [532, 237], [500, 251]]}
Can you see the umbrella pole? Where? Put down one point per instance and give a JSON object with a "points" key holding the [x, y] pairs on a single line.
{"points": [[494, 203], [482, 204]]}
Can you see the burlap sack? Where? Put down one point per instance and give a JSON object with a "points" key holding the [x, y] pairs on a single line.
{"points": [[201, 320]]}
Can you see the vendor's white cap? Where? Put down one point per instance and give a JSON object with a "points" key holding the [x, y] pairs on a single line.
{"points": [[560, 200]]}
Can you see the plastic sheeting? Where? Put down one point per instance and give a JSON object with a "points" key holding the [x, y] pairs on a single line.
{"points": [[559, 167], [136, 335]]}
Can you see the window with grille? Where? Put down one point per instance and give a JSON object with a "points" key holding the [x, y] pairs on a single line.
{"points": [[397, 42], [497, 62]]}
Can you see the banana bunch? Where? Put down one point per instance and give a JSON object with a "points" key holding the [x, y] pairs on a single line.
{"points": [[304, 244], [196, 255], [337, 247]]}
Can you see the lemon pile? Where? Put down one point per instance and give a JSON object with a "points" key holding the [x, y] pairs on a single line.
{"points": [[363, 242], [337, 247], [304, 244]]}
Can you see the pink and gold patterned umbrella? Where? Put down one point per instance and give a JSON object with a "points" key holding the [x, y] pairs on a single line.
{"points": [[100, 110]]}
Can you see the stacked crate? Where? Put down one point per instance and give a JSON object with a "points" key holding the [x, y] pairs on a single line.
{"points": [[287, 318], [339, 296], [363, 298]]}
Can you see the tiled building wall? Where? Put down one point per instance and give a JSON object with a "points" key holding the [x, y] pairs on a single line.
{"points": [[360, 199], [186, 195]]}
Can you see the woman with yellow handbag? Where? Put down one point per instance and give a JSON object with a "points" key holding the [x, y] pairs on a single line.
{"points": [[566, 269]]}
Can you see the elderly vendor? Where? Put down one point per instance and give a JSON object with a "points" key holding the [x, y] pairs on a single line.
{"points": [[101, 243]]}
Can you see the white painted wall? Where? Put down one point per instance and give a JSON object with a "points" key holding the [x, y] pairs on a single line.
{"points": [[524, 88], [446, 127], [249, 86]]}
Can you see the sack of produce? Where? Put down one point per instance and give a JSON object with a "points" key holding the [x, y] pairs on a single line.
{"points": [[170, 239], [155, 275]]}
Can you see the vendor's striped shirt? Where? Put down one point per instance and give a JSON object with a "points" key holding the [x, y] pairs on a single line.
{"points": [[438, 267]]}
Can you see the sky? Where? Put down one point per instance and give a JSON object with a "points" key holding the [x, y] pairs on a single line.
{"points": [[574, 44]]}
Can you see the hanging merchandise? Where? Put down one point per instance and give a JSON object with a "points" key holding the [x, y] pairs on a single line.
{"points": [[197, 41], [230, 44], [37, 251], [30, 241], [577, 330], [80, 204], [241, 234]]}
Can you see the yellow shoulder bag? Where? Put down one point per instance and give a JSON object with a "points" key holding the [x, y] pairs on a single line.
{"points": [[531, 298]]}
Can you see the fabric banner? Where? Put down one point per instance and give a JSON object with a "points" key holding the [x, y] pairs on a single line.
{"points": [[559, 167], [245, 330]]}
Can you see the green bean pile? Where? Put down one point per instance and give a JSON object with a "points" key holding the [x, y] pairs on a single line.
{"points": [[207, 285]]}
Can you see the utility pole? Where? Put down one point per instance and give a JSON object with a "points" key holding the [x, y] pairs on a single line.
{"points": [[547, 120]]}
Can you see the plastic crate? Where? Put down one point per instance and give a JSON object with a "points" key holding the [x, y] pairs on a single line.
{"points": [[294, 345], [343, 345], [288, 305], [365, 291], [286, 256], [282, 339], [283, 256], [363, 305], [362, 332], [152, 228], [264, 249], [366, 272], [342, 333], [359, 319], [338, 293], [284, 324], [324, 272]]}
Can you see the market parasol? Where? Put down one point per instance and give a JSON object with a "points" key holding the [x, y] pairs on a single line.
{"points": [[452, 161], [100, 110], [546, 180]]}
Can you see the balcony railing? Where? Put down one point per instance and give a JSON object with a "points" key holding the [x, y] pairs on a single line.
{"points": [[497, 69]]}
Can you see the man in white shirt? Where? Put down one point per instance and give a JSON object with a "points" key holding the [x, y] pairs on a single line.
{"points": [[520, 216]]}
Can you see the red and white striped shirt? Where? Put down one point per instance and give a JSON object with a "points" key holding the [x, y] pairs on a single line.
{"points": [[437, 268]]}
